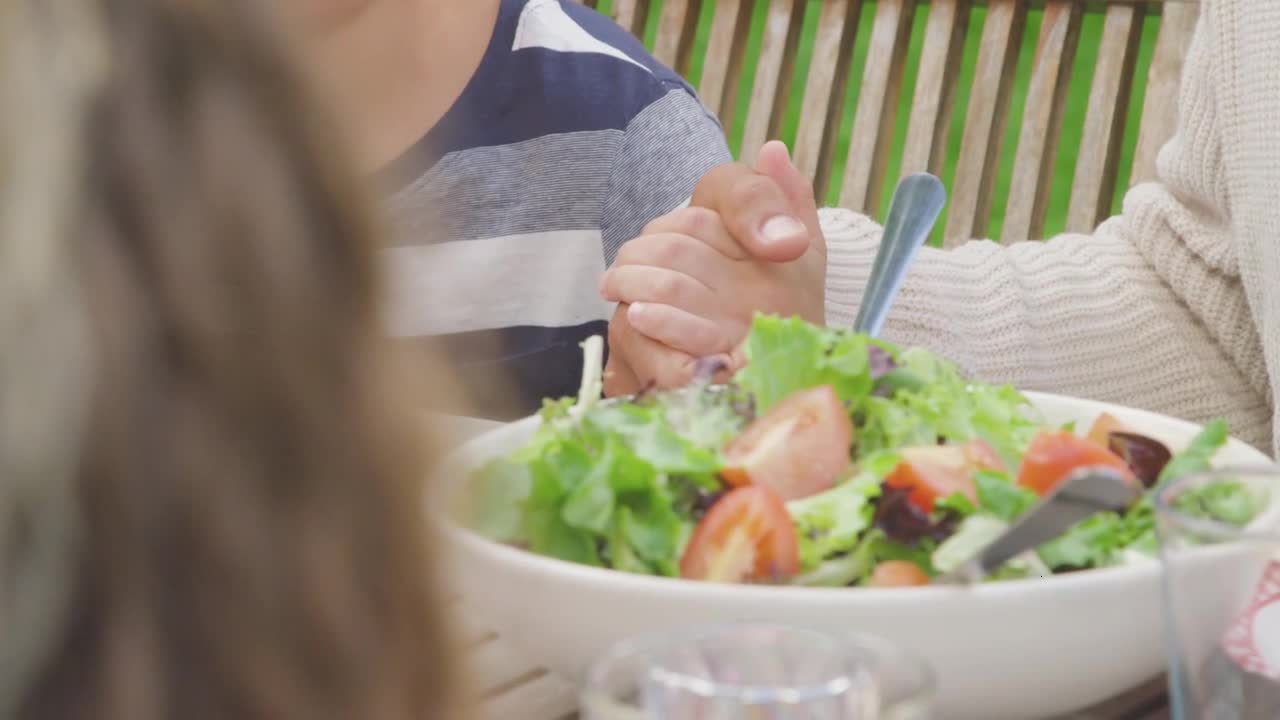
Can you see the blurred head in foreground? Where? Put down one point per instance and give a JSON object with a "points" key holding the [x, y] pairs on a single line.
{"points": [[209, 506]]}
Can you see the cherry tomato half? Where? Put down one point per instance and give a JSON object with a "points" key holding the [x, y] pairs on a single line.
{"points": [[898, 573], [936, 472], [1106, 424], [1053, 456], [747, 536], [798, 449]]}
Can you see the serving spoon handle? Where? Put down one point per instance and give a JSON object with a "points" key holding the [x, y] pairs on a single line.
{"points": [[1084, 493], [913, 211]]}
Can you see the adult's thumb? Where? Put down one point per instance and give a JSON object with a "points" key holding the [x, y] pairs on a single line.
{"points": [[774, 161]]}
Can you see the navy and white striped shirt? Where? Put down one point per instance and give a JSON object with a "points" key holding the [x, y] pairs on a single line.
{"points": [[567, 141]]}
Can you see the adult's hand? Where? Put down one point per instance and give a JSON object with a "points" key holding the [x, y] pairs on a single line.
{"points": [[689, 285]]}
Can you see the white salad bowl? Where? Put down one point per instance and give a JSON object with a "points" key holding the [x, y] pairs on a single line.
{"points": [[1012, 650]]}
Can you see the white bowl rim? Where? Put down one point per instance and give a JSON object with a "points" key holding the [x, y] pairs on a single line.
{"points": [[742, 593]]}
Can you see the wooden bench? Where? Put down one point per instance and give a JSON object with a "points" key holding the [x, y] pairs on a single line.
{"points": [[828, 85]]}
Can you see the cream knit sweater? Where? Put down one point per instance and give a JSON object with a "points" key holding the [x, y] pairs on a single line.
{"points": [[1173, 306]]}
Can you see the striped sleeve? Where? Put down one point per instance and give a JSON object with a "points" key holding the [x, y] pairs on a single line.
{"points": [[667, 149]]}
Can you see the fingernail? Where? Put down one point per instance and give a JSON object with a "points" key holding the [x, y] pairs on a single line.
{"points": [[635, 311], [781, 228]]}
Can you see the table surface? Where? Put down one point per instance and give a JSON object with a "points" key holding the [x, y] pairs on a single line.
{"points": [[510, 686]]}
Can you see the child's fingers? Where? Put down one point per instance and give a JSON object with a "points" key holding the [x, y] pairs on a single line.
{"points": [[690, 256], [647, 284], [692, 223], [679, 330], [619, 379], [649, 361]]}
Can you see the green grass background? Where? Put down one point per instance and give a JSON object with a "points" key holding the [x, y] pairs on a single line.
{"points": [[1072, 125]]}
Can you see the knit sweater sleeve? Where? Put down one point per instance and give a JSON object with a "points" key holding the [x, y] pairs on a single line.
{"points": [[1079, 315], [1148, 311]]}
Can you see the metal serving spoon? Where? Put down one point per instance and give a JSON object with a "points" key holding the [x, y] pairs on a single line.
{"points": [[913, 211], [1084, 493]]}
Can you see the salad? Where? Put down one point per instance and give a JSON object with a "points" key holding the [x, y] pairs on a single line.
{"points": [[831, 459]]}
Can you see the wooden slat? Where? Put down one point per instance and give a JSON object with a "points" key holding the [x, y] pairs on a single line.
{"points": [[787, 71], [877, 105], [984, 126], [727, 41], [1099, 155], [737, 64], [676, 28], [827, 44], [1042, 120], [764, 93], [940, 58], [1160, 108], [826, 88], [631, 15]]}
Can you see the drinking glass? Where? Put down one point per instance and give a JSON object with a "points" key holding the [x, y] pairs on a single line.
{"points": [[758, 672], [1222, 594]]}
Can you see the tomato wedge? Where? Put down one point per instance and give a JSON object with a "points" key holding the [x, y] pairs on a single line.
{"points": [[747, 536], [1102, 428], [798, 449], [1053, 456], [936, 472], [898, 573]]}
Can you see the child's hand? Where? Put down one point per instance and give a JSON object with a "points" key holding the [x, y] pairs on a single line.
{"points": [[690, 284]]}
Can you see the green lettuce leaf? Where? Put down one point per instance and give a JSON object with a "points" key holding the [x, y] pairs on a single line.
{"points": [[1138, 530], [1093, 542], [1199, 454], [999, 496], [784, 355], [788, 355], [945, 405], [855, 568], [888, 425], [545, 529], [609, 484], [847, 366], [705, 417], [1225, 502], [1228, 501], [830, 523], [646, 432], [620, 553], [974, 534], [957, 503], [496, 504], [923, 399], [648, 538], [590, 505]]}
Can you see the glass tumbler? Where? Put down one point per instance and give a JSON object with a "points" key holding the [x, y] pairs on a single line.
{"points": [[1220, 545], [758, 672]]}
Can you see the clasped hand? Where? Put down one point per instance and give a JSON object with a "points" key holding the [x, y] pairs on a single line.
{"points": [[688, 287]]}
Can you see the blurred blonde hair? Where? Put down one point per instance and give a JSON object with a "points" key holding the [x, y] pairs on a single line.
{"points": [[210, 502], [44, 352]]}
